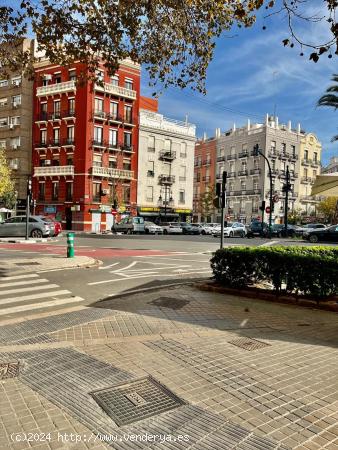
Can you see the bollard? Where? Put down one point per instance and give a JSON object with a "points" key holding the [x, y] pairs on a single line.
{"points": [[70, 245]]}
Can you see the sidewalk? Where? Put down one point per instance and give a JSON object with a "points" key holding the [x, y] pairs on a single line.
{"points": [[237, 373], [45, 263]]}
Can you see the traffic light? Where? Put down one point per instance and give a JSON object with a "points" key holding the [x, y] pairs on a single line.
{"points": [[29, 187], [217, 202], [286, 187], [218, 189], [262, 207]]}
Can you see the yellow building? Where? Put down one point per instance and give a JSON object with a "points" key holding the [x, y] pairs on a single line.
{"points": [[309, 167]]}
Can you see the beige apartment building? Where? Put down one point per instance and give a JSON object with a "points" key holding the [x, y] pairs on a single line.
{"points": [[248, 181], [16, 94]]}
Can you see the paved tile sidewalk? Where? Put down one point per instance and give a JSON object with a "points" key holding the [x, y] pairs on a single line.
{"points": [[283, 394]]}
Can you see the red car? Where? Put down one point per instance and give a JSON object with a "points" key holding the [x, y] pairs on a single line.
{"points": [[56, 228]]}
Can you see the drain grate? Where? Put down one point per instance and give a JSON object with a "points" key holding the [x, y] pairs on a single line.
{"points": [[169, 302], [248, 343], [130, 402], [28, 263], [9, 370]]}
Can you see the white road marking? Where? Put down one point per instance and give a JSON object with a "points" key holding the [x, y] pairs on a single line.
{"points": [[108, 267], [178, 259], [125, 268], [20, 277], [145, 276], [27, 289], [32, 306], [33, 296], [267, 244], [22, 283]]}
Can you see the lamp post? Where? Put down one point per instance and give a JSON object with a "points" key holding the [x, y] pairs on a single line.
{"points": [[256, 152]]}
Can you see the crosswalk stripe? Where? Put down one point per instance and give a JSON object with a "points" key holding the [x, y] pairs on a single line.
{"points": [[22, 283], [27, 289], [32, 306], [20, 277], [33, 296]]}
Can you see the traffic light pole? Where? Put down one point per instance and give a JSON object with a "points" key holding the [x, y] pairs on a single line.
{"points": [[223, 201], [257, 152], [29, 191], [286, 200]]}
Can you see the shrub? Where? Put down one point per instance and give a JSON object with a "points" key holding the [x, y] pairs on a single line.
{"points": [[311, 271]]}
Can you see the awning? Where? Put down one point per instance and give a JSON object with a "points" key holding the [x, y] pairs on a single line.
{"points": [[326, 185]]}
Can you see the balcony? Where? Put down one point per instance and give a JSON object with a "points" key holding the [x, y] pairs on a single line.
{"points": [[283, 155], [315, 163], [167, 155], [68, 114], [306, 161], [220, 158], [254, 192], [243, 154], [128, 120], [41, 144], [219, 176], [42, 117], [152, 150], [68, 142], [166, 179], [206, 162], [231, 157], [293, 157], [98, 143], [109, 172], [126, 148], [274, 172], [53, 170], [205, 178], [305, 180], [242, 173], [255, 171], [57, 88], [272, 153], [229, 175], [56, 115], [54, 143], [114, 118], [99, 115], [109, 88]]}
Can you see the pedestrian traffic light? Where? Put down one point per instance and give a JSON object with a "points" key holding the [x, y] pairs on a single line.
{"points": [[262, 207]]}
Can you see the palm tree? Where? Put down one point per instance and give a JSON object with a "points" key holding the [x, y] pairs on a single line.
{"points": [[331, 99]]}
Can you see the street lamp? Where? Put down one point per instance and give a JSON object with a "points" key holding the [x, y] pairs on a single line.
{"points": [[256, 152], [171, 200]]}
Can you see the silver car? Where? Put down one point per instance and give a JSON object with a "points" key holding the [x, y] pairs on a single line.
{"points": [[16, 226]]}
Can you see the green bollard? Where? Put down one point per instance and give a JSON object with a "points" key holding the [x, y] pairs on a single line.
{"points": [[70, 245]]}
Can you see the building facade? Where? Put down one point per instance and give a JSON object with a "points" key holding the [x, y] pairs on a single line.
{"points": [[16, 94], [332, 167], [248, 182], [166, 167], [204, 180], [310, 166], [85, 144]]}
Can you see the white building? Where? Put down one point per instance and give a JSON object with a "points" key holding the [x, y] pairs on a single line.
{"points": [[165, 168]]}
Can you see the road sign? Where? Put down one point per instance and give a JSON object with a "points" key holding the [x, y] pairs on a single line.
{"points": [[114, 212], [276, 198], [267, 209]]}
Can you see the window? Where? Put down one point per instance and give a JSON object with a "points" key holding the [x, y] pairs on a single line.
{"points": [[273, 147], [69, 160], [15, 142], [70, 134], [128, 84], [16, 81], [150, 167], [16, 100], [314, 173], [114, 80], [233, 151], [151, 143], [255, 184], [3, 83], [305, 173], [150, 193], [244, 166], [283, 148], [72, 75], [231, 187], [113, 110], [100, 75], [112, 163], [244, 148], [128, 114], [256, 163], [71, 106], [69, 192], [97, 160], [56, 136], [98, 105], [43, 111], [306, 155], [167, 145], [183, 152], [96, 192], [232, 168], [57, 78], [126, 164], [15, 120], [3, 102], [3, 122], [113, 138], [126, 194], [43, 136], [182, 197], [2, 144], [293, 150], [182, 176], [56, 161], [127, 140], [98, 134], [243, 185], [41, 191], [315, 157], [57, 109], [55, 193]]}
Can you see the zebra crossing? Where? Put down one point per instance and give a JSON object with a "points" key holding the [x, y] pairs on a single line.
{"points": [[29, 292]]}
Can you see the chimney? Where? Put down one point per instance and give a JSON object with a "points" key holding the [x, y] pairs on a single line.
{"points": [[267, 119], [289, 125], [248, 124], [277, 123], [298, 128]]}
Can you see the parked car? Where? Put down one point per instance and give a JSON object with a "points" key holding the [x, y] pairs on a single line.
{"points": [[232, 230], [278, 230], [129, 225], [16, 226], [207, 228], [187, 228], [309, 227], [152, 228], [171, 228], [257, 229], [329, 234], [56, 227]]}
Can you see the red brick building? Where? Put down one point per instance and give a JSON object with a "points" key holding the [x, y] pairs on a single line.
{"points": [[204, 180], [85, 144]]}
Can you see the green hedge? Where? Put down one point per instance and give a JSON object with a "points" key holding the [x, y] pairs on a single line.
{"points": [[311, 271]]}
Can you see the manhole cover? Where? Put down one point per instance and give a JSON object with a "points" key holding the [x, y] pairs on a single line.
{"points": [[137, 400], [9, 370], [168, 302], [248, 344], [28, 263]]}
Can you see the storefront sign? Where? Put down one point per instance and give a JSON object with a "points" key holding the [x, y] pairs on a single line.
{"points": [[49, 209], [146, 209], [183, 211]]}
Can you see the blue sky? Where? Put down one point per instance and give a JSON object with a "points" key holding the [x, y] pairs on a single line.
{"points": [[253, 71]]}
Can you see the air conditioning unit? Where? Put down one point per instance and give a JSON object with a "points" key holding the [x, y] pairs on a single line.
{"points": [[105, 191], [11, 126], [47, 162]]}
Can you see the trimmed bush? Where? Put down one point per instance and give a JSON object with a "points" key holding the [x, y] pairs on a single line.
{"points": [[309, 271]]}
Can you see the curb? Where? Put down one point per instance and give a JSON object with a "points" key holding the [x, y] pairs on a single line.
{"points": [[263, 295], [29, 241], [36, 269]]}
